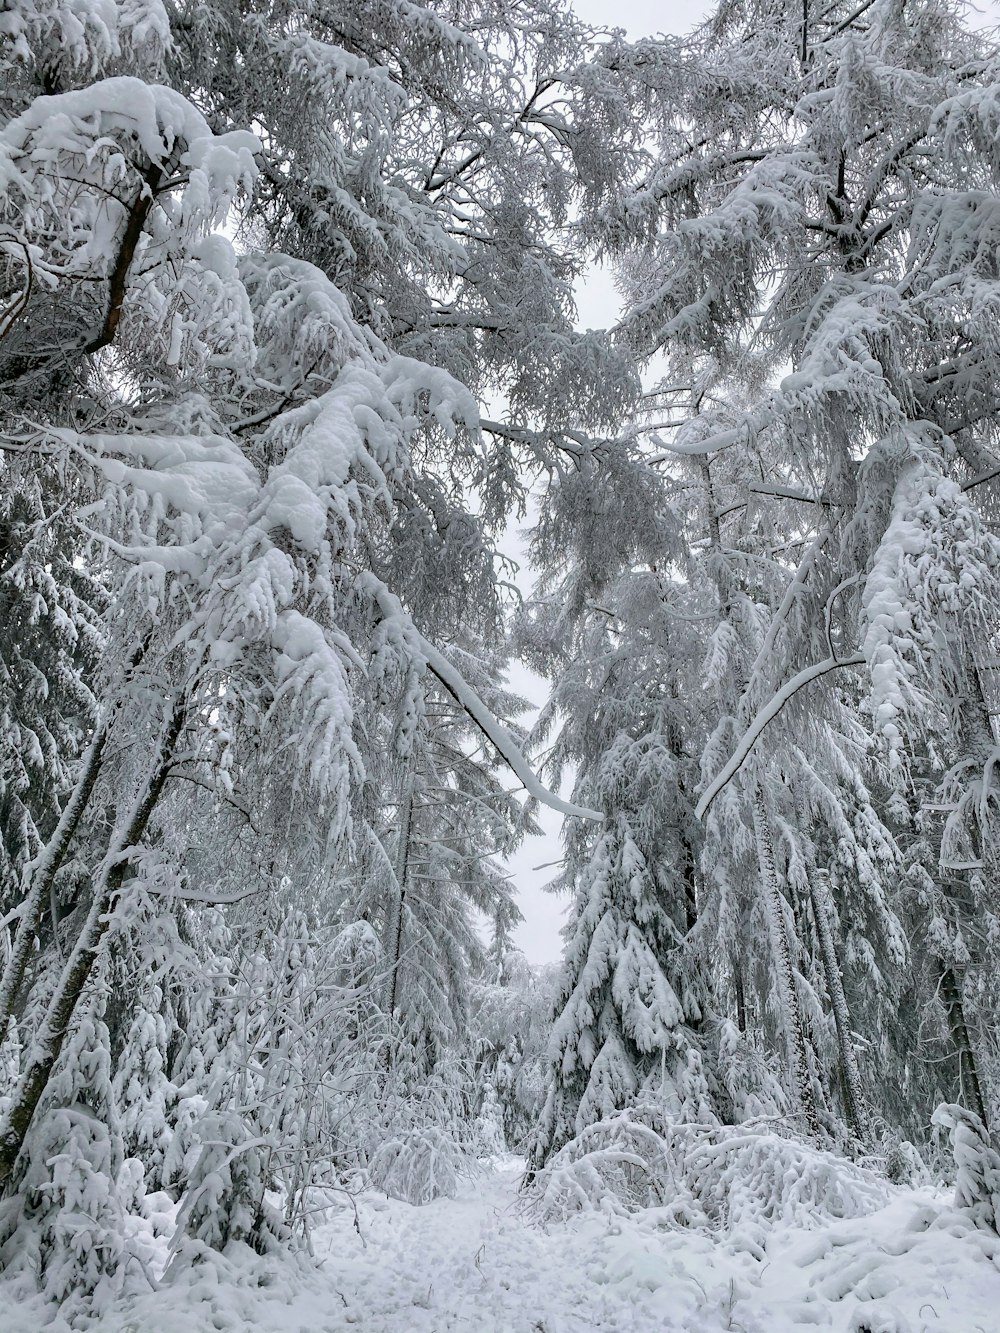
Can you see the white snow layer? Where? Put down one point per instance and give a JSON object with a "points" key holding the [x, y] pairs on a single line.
{"points": [[476, 1264]]}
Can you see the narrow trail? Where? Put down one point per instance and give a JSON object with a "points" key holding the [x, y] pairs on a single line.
{"points": [[474, 1265], [477, 1264]]}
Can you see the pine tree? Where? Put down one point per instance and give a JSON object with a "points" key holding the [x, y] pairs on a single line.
{"points": [[632, 992], [144, 1094]]}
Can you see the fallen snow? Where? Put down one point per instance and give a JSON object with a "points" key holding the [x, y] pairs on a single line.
{"points": [[476, 1264]]}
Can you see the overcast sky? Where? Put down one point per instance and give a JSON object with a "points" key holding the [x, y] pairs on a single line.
{"points": [[640, 18]]}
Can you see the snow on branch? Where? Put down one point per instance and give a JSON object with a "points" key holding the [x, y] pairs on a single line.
{"points": [[467, 698], [763, 719], [718, 441], [498, 735]]}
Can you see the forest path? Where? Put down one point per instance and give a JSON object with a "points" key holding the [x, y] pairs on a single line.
{"points": [[477, 1264]]}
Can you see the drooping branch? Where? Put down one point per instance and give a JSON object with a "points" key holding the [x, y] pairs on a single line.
{"points": [[498, 736], [469, 701], [720, 440], [763, 719]]}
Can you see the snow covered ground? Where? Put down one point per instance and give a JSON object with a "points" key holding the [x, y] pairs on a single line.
{"points": [[476, 1264]]}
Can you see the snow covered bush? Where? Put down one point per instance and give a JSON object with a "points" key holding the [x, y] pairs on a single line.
{"points": [[977, 1163], [227, 1198], [724, 1178], [750, 1181], [67, 1221], [618, 1165], [421, 1165], [901, 1162]]}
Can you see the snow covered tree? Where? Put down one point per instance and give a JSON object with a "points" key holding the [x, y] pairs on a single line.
{"points": [[442, 819], [977, 1161], [66, 1221], [603, 626], [267, 485], [513, 1004], [143, 1092], [811, 252], [50, 612]]}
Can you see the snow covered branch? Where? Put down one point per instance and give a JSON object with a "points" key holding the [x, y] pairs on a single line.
{"points": [[717, 442], [499, 737], [763, 720], [463, 693]]}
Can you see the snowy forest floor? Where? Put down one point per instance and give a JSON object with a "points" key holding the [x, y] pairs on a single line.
{"points": [[477, 1264]]}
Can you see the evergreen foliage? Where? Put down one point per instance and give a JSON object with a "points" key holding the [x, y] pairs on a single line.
{"points": [[288, 342]]}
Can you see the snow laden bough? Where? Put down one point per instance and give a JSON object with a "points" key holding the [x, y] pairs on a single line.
{"points": [[977, 1165], [421, 1165], [256, 513]]}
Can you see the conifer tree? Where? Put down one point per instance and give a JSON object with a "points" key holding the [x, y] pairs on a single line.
{"points": [[632, 993], [814, 263]]}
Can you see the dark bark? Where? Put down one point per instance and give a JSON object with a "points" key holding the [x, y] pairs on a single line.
{"points": [[970, 1088], [850, 1074], [138, 215]]}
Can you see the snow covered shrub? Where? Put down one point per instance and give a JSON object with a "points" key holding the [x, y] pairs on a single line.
{"points": [[66, 1222], [227, 1190], [719, 1177], [977, 1162], [421, 1165], [902, 1163], [758, 1179], [618, 1165], [143, 1092], [488, 1129]]}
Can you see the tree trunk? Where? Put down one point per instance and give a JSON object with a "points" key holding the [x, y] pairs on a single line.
{"points": [[971, 1090], [791, 1017], [395, 933], [48, 1042], [42, 875], [850, 1073], [690, 880], [740, 993]]}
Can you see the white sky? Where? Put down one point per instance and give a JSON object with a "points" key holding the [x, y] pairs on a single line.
{"points": [[640, 18]]}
